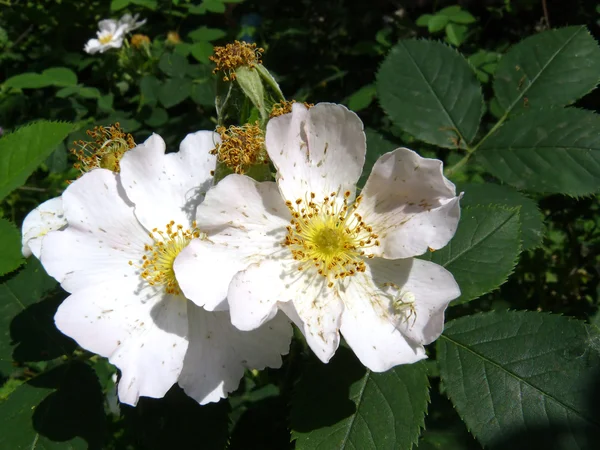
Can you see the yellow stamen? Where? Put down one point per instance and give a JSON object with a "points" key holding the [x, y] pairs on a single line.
{"points": [[329, 236], [157, 263], [173, 37], [241, 147], [285, 107], [105, 149], [235, 55], [105, 39]]}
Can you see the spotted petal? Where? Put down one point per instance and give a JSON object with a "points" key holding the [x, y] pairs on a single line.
{"points": [[169, 185], [219, 353], [48, 216], [410, 205], [320, 150]]}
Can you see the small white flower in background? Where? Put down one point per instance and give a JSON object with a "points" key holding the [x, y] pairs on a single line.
{"points": [[112, 32], [115, 258], [333, 262], [39, 222]]}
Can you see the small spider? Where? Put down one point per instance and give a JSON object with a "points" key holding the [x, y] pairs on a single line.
{"points": [[403, 303]]}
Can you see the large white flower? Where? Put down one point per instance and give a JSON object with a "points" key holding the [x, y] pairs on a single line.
{"points": [[332, 262], [39, 222], [115, 257], [111, 33]]}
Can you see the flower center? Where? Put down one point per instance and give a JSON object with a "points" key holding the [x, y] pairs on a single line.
{"points": [[106, 38], [157, 262], [329, 236], [105, 149]]}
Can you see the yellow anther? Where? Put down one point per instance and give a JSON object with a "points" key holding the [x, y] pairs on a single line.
{"points": [[285, 107], [241, 147]]}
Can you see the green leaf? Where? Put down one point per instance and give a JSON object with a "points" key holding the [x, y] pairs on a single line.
{"points": [[27, 81], [341, 405], [105, 103], [36, 416], [24, 150], [423, 20], [523, 374], [150, 4], [173, 65], [10, 243], [462, 17], [116, 5], [149, 88], [201, 51], [532, 220], [437, 23], [206, 34], [60, 76], [174, 91], [362, 98], [555, 67], [214, 6], [58, 162], [449, 11], [204, 93], [484, 250], [551, 151], [456, 34], [430, 91], [22, 290], [158, 117]]}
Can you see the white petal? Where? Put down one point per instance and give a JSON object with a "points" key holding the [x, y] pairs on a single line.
{"points": [[103, 234], [219, 353], [430, 286], [146, 340], [107, 25], [374, 337], [410, 204], [167, 187], [256, 293], [48, 216], [253, 213], [204, 270], [92, 46], [320, 150], [245, 221]]}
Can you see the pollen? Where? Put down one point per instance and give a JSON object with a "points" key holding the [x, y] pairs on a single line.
{"points": [[285, 107], [106, 147], [241, 147], [329, 236], [235, 55], [157, 262]]}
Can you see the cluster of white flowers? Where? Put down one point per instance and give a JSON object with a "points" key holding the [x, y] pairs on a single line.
{"points": [[179, 281], [112, 32]]}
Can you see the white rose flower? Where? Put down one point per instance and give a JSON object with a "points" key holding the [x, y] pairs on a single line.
{"points": [[332, 262], [39, 222], [115, 258], [112, 32]]}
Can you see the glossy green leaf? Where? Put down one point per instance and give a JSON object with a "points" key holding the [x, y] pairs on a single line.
{"points": [[174, 65], [484, 250], [10, 243], [437, 23], [149, 87], [24, 150], [341, 405], [551, 151], [532, 220], [206, 34], [555, 67], [116, 5], [523, 375], [430, 91]]}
